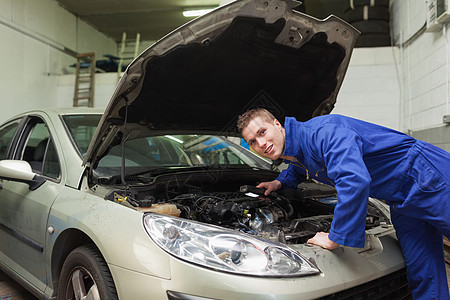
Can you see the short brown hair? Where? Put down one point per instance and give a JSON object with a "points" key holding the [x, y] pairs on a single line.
{"points": [[245, 118]]}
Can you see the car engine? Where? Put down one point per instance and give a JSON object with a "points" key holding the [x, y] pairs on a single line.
{"points": [[275, 218], [278, 218]]}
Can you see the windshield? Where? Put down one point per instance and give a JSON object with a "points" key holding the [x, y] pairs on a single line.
{"points": [[81, 129], [177, 151]]}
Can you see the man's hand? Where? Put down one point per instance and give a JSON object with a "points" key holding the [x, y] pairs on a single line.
{"points": [[270, 186], [321, 239]]}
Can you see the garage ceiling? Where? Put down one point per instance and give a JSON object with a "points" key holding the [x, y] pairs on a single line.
{"points": [[155, 18]]}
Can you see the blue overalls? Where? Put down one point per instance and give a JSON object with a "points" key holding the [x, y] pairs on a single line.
{"points": [[362, 159]]}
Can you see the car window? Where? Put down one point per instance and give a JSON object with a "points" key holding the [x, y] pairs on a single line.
{"points": [[176, 151], [212, 150], [145, 152], [40, 150], [81, 129], [6, 135]]}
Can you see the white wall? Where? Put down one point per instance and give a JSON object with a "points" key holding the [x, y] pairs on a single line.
{"points": [[425, 66], [36, 36]]}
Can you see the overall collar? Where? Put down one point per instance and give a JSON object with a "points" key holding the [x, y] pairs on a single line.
{"points": [[291, 146]]}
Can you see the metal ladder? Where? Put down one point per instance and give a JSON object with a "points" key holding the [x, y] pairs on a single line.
{"points": [[128, 50], [84, 80]]}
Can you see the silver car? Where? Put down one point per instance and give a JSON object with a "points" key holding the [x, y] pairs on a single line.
{"points": [[155, 198]]}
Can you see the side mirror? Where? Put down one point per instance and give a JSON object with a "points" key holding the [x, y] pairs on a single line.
{"points": [[20, 170]]}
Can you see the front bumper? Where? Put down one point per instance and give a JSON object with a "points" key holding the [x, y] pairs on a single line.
{"points": [[391, 286], [343, 269]]}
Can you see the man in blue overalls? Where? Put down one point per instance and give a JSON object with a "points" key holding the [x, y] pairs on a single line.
{"points": [[361, 160]]}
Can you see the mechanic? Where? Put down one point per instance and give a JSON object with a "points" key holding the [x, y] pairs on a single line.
{"points": [[361, 159]]}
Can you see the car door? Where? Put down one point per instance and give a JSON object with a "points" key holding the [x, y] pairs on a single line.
{"points": [[24, 213]]}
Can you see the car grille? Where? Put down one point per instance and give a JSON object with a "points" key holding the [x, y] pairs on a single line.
{"points": [[392, 286]]}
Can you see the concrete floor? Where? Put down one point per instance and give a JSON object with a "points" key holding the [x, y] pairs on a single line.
{"points": [[10, 290]]}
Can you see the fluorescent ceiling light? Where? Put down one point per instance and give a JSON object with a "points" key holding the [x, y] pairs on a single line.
{"points": [[196, 12]]}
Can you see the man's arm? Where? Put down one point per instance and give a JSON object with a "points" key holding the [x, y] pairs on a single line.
{"points": [[341, 149]]}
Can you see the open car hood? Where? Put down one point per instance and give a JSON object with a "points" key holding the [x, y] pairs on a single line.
{"points": [[202, 76]]}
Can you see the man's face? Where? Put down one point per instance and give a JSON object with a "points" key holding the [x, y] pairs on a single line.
{"points": [[265, 138]]}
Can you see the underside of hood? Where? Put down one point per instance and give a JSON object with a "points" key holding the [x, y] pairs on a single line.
{"points": [[206, 86], [248, 54]]}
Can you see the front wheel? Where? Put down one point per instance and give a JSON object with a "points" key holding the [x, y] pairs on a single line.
{"points": [[85, 275]]}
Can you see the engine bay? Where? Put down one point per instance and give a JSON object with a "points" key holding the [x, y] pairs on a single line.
{"points": [[287, 216]]}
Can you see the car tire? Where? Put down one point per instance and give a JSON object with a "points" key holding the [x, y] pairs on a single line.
{"points": [[86, 267]]}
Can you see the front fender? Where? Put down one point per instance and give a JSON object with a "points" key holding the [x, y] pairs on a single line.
{"points": [[115, 229]]}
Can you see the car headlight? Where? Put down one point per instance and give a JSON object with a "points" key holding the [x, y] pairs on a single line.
{"points": [[223, 249]]}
